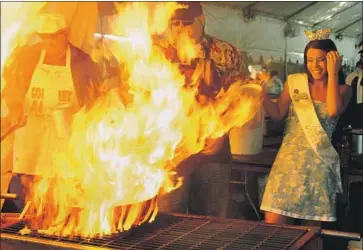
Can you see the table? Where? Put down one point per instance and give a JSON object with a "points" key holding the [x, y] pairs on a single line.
{"points": [[262, 163]]}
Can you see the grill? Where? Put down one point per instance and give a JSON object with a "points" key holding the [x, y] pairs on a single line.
{"points": [[173, 231]]}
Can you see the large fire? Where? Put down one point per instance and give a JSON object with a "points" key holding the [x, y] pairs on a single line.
{"points": [[123, 152], [15, 29]]}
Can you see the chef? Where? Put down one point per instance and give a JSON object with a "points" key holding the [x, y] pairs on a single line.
{"points": [[355, 80], [44, 77], [206, 175]]}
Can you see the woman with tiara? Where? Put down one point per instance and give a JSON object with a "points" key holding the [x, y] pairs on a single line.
{"points": [[305, 176]]}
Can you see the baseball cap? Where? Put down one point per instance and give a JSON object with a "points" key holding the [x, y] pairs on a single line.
{"points": [[187, 11], [51, 23]]}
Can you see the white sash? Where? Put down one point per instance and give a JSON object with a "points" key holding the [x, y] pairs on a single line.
{"points": [[314, 132]]}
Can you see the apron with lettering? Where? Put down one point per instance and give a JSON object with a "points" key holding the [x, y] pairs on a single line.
{"points": [[315, 133], [51, 87]]}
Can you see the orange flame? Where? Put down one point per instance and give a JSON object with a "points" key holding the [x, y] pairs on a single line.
{"points": [[122, 153], [16, 28]]}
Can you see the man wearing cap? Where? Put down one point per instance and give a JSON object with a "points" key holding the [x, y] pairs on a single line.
{"points": [[40, 78], [354, 113], [206, 175]]}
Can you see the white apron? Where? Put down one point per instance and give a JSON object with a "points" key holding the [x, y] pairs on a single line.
{"points": [[349, 80], [51, 87], [315, 134]]}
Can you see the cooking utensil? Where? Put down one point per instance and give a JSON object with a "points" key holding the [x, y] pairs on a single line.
{"points": [[340, 234], [8, 196]]}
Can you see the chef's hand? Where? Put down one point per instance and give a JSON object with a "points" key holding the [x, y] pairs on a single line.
{"points": [[333, 62]]}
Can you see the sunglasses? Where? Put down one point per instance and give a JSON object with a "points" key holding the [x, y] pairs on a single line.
{"points": [[179, 23]]}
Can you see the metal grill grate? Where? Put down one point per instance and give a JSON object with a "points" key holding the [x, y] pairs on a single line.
{"points": [[171, 231]]}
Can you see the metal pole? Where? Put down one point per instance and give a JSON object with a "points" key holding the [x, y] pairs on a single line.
{"points": [[285, 55]]}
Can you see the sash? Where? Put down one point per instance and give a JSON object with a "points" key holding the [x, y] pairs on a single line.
{"points": [[314, 132]]}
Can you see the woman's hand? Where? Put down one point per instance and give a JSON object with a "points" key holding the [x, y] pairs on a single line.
{"points": [[334, 62]]}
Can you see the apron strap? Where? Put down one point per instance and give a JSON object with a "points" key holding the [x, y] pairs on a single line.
{"points": [[42, 56], [68, 57]]}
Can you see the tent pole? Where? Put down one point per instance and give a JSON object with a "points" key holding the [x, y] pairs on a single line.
{"points": [[285, 56]]}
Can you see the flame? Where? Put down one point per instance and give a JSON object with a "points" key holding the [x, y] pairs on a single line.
{"points": [[187, 49], [123, 151], [16, 29]]}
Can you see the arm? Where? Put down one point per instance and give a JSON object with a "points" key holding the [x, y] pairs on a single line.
{"points": [[337, 97], [17, 75], [277, 110], [87, 77], [229, 62], [237, 68]]}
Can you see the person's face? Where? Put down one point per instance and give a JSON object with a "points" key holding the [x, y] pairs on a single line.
{"points": [[192, 29], [54, 44], [179, 27], [316, 63]]}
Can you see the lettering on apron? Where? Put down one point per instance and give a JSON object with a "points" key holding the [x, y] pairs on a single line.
{"points": [[64, 96], [50, 88], [37, 96]]}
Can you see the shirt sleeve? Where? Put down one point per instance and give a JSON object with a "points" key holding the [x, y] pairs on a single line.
{"points": [[17, 75], [229, 61]]}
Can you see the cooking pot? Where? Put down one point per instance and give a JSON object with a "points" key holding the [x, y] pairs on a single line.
{"points": [[355, 139]]}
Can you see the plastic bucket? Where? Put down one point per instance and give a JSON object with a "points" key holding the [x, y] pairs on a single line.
{"points": [[248, 139]]}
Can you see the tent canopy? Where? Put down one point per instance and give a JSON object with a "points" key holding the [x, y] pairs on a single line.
{"points": [[343, 17]]}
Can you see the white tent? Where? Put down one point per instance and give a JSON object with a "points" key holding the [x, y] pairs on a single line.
{"points": [[266, 31], [274, 31]]}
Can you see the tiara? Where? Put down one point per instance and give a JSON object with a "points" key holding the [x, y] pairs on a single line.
{"points": [[321, 34]]}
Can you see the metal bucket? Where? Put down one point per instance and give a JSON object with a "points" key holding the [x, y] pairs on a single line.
{"points": [[355, 139]]}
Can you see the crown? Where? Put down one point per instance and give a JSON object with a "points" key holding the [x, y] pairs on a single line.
{"points": [[321, 34]]}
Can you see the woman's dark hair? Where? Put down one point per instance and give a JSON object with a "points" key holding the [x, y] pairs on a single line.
{"points": [[327, 46]]}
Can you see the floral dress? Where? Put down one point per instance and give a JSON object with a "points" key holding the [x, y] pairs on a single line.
{"points": [[300, 185]]}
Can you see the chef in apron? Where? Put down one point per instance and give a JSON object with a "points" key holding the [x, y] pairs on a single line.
{"points": [[50, 91], [355, 80]]}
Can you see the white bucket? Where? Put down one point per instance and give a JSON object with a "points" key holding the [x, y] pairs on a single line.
{"points": [[248, 139]]}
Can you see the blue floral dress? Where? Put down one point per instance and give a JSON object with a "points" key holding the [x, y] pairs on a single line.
{"points": [[299, 184]]}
